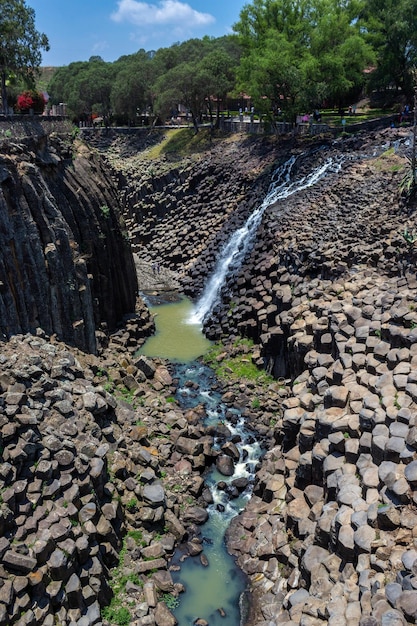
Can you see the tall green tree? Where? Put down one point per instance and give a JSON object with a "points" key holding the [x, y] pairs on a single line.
{"points": [[220, 66], [296, 53], [275, 36], [85, 87], [392, 30], [131, 90], [185, 84], [20, 44], [340, 51], [191, 74]]}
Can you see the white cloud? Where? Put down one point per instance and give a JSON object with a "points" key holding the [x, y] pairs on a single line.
{"points": [[164, 13], [100, 46]]}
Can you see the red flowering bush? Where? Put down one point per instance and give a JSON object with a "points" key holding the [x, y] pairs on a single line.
{"points": [[30, 100]]}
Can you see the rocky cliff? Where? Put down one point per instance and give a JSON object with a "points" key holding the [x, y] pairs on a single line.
{"points": [[65, 261]]}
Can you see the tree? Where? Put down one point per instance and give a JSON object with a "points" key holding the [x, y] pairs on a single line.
{"points": [[392, 30], [340, 50], [131, 90], [220, 66], [295, 54], [84, 86], [20, 44], [187, 84], [275, 78], [275, 36]]}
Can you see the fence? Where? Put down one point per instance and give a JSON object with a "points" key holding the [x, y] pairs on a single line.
{"points": [[25, 125], [235, 125]]}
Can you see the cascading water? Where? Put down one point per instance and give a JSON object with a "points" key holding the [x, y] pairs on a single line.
{"points": [[214, 593], [234, 252]]}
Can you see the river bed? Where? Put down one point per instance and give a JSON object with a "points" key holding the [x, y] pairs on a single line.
{"points": [[213, 592]]}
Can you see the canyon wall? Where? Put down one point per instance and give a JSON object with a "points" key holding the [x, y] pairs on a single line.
{"points": [[65, 260]]}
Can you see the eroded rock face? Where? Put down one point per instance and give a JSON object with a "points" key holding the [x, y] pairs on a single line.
{"points": [[65, 263]]}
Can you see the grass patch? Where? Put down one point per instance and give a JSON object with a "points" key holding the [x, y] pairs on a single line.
{"points": [[116, 612], [236, 367], [125, 394], [181, 142], [137, 536], [171, 601], [333, 118], [132, 504], [389, 161], [117, 615]]}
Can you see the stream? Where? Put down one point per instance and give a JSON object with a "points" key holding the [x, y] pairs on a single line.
{"points": [[215, 593]]}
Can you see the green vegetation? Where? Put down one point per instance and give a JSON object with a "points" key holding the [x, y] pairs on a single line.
{"points": [[105, 210], [180, 142], [119, 615], [132, 504], [137, 536], [237, 367], [171, 601], [116, 612], [301, 54], [119, 390], [409, 237], [21, 48], [288, 57]]}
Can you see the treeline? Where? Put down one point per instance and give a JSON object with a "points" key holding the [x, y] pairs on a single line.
{"points": [[288, 55]]}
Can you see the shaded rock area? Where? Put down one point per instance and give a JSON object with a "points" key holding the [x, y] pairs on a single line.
{"points": [[65, 261], [179, 210]]}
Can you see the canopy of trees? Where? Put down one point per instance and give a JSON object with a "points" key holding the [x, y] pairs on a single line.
{"points": [[287, 55], [195, 74], [392, 28], [300, 54], [20, 45]]}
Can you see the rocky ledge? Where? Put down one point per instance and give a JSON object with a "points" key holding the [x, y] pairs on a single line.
{"points": [[329, 536]]}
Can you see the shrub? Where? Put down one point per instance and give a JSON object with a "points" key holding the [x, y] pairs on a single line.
{"points": [[117, 615], [30, 100]]}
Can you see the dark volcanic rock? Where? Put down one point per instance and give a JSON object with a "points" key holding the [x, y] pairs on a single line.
{"points": [[65, 263]]}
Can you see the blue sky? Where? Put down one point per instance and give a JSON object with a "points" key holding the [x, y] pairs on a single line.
{"points": [[79, 29]]}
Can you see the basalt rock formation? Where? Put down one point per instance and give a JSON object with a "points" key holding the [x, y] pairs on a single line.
{"points": [[65, 262], [102, 474], [328, 294]]}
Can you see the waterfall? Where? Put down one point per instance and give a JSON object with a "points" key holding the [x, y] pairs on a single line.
{"points": [[233, 253]]}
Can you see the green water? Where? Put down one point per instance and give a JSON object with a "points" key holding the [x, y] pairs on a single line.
{"points": [[212, 593], [175, 338]]}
